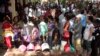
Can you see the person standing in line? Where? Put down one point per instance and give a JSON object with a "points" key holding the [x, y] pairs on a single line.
{"points": [[83, 22], [77, 35], [43, 30], [16, 32], [66, 28], [7, 32], [51, 27], [62, 21], [56, 39], [88, 37]]}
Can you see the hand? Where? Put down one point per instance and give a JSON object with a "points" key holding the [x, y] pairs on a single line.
{"points": [[54, 42]]}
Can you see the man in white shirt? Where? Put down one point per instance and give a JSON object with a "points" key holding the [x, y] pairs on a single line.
{"points": [[88, 37]]}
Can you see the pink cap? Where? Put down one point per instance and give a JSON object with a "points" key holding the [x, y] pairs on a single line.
{"points": [[30, 46], [22, 48]]}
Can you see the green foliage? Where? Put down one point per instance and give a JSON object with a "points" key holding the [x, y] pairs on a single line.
{"points": [[80, 5], [62, 1]]}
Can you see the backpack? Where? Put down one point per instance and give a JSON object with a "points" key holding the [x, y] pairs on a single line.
{"points": [[66, 35]]}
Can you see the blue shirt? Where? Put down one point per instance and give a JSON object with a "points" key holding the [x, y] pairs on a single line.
{"points": [[83, 20]]}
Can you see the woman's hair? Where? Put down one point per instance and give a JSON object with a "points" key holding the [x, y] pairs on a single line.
{"points": [[68, 16], [56, 31], [82, 11]]}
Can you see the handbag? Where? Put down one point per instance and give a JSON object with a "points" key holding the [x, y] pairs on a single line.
{"points": [[67, 48], [66, 33]]}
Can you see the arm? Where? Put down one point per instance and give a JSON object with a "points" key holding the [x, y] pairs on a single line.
{"points": [[66, 26], [91, 31], [79, 27]]}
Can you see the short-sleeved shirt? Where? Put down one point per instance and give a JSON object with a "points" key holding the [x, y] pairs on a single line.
{"points": [[43, 28], [87, 32]]}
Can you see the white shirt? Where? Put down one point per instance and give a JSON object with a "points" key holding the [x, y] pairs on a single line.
{"points": [[87, 32], [71, 24]]}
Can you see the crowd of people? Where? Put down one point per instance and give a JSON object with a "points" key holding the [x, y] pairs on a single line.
{"points": [[50, 27]]}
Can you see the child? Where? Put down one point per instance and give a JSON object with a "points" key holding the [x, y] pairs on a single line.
{"points": [[7, 32], [43, 29]]}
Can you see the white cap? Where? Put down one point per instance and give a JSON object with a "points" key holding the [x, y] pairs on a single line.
{"points": [[45, 46]]}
